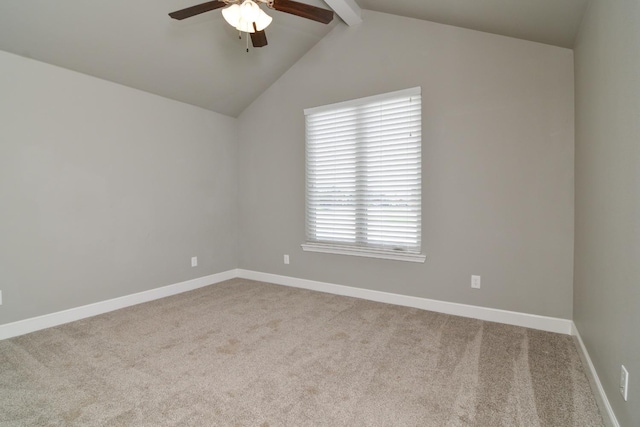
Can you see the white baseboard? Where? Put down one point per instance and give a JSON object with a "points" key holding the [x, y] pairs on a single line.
{"points": [[603, 395], [533, 321], [551, 324], [54, 319]]}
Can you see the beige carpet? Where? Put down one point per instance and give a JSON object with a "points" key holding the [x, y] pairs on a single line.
{"points": [[254, 354]]}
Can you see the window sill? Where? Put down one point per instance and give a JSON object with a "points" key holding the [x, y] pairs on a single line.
{"points": [[371, 253]]}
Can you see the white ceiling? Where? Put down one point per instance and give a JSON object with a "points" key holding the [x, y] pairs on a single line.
{"points": [[200, 60]]}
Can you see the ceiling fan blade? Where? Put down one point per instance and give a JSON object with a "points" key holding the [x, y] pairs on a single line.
{"points": [[259, 39], [197, 9], [304, 10]]}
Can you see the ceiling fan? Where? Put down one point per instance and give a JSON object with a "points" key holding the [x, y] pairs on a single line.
{"points": [[246, 16]]}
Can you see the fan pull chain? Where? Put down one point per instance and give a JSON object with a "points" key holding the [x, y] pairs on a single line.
{"points": [[247, 42], [239, 35]]}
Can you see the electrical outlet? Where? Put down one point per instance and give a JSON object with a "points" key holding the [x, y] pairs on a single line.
{"points": [[624, 382], [286, 259], [0, 297], [194, 261], [475, 282]]}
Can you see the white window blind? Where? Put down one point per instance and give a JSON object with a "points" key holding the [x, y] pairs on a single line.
{"points": [[363, 174]]}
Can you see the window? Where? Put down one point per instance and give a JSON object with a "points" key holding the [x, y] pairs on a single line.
{"points": [[363, 177]]}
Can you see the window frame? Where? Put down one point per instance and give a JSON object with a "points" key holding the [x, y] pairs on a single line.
{"points": [[363, 250]]}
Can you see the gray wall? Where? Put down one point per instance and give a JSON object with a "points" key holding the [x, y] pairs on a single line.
{"points": [[106, 190], [497, 163], [607, 222]]}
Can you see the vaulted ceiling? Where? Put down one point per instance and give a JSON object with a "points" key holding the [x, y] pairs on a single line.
{"points": [[200, 60]]}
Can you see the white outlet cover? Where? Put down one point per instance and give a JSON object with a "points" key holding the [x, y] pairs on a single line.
{"points": [[624, 382], [475, 282], [286, 259], [194, 261]]}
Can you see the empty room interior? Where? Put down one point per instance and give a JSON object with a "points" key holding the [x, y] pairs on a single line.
{"points": [[339, 212]]}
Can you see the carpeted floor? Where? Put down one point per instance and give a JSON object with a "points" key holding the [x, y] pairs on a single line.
{"points": [[253, 354]]}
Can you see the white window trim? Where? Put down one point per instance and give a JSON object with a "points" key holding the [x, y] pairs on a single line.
{"points": [[355, 102], [363, 252]]}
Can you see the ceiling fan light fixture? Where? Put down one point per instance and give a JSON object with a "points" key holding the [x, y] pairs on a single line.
{"points": [[247, 16], [263, 21], [242, 17], [231, 14]]}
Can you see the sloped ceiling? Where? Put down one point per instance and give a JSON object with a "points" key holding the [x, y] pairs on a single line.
{"points": [[553, 22], [200, 60]]}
